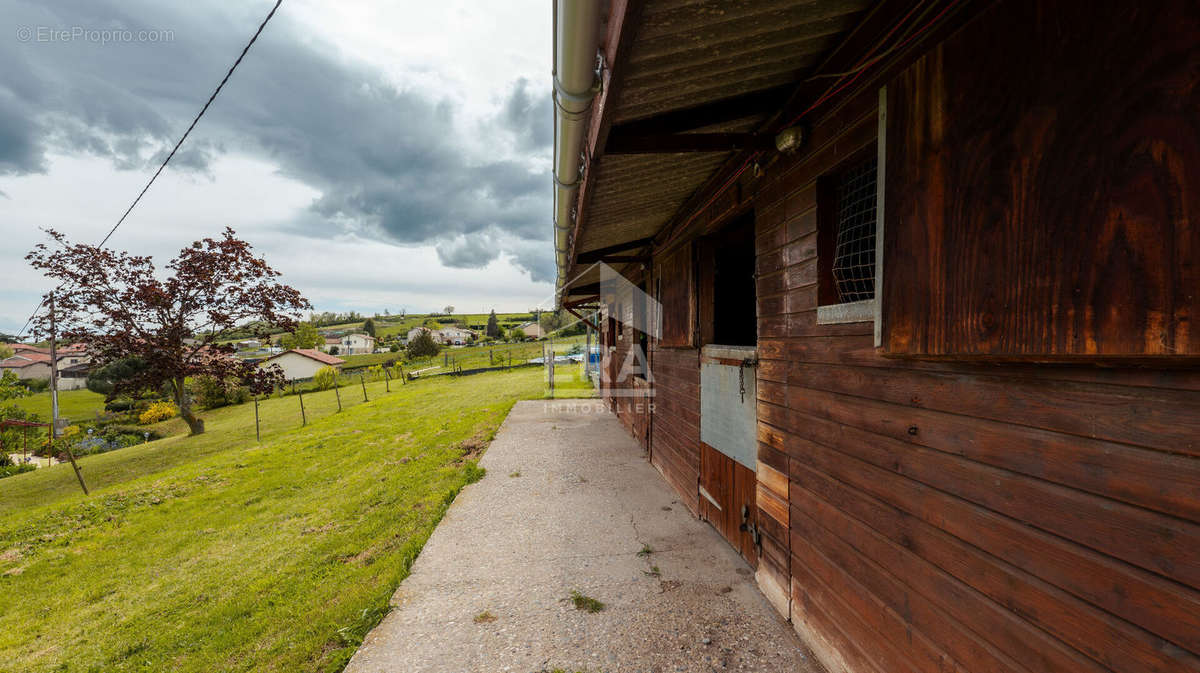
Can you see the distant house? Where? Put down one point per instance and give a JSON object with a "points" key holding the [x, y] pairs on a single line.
{"points": [[456, 336], [33, 362], [27, 365], [349, 344], [416, 331], [302, 363], [249, 345], [355, 344], [532, 330]]}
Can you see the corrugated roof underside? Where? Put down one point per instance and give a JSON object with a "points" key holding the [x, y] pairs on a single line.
{"points": [[688, 53]]}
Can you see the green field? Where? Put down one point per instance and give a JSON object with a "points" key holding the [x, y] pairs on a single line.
{"points": [[219, 553], [76, 405]]}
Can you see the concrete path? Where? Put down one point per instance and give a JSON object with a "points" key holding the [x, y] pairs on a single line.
{"points": [[512, 548]]}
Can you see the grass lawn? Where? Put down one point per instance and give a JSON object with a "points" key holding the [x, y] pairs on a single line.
{"points": [[217, 553], [77, 405]]}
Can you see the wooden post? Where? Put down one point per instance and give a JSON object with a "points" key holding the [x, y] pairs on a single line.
{"points": [[364, 385], [75, 466], [387, 380], [257, 430], [403, 378], [337, 391], [303, 416]]}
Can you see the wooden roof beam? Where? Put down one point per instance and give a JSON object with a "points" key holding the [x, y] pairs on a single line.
{"points": [[717, 112], [599, 254], [622, 143]]}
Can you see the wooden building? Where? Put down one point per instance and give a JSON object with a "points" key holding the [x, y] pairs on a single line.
{"points": [[927, 276]]}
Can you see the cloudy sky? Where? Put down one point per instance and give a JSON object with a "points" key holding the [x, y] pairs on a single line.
{"points": [[380, 154]]}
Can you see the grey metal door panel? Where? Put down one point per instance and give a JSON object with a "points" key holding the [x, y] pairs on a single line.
{"points": [[728, 411]]}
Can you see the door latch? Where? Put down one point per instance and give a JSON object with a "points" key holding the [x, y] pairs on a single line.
{"points": [[748, 526], [748, 362]]}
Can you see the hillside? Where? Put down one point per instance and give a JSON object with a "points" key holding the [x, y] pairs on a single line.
{"points": [[220, 553]]}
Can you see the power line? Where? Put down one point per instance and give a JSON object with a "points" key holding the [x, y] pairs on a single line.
{"points": [[175, 149]]}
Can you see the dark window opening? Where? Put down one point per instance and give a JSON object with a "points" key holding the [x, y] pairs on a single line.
{"points": [[728, 292], [846, 232], [642, 319]]}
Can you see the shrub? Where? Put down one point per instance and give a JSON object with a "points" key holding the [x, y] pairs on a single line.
{"points": [[158, 411], [423, 345], [325, 378], [119, 404], [211, 392], [37, 385], [10, 470], [394, 348]]}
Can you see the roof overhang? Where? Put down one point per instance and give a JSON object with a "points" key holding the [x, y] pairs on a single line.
{"points": [[689, 88]]}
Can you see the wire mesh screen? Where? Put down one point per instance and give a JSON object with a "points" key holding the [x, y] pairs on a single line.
{"points": [[854, 254]]}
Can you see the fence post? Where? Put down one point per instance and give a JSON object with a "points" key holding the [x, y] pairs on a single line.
{"points": [[387, 380], [364, 386], [257, 431], [338, 393], [303, 416], [403, 378]]}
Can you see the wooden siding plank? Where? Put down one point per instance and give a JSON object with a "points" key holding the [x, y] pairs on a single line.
{"points": [[1157, 605], [1113, 643]]}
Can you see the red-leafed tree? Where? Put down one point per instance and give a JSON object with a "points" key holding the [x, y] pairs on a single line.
{"points": [[119, 306]]}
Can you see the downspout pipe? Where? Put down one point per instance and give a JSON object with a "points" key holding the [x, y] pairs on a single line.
{"points": [[576, 82]]}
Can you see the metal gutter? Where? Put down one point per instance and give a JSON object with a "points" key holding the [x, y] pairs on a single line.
{"points": [[576, 42]]}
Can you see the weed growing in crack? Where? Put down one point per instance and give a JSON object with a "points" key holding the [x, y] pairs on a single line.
{"points": [[585, 603]]}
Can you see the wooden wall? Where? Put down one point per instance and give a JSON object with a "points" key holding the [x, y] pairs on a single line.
{"points": [[973, 517], [675, 428], [942, 516], [1063, 138]]}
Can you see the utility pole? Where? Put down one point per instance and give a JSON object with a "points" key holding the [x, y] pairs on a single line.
{"points": [[53, 370], [54, 396]]}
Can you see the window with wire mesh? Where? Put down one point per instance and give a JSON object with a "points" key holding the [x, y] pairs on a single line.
{"points": [[853, 265]]}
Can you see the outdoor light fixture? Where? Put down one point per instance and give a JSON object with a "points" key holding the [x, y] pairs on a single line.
{"points": [[790, 139]]}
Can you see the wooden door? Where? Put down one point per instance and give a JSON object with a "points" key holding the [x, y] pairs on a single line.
{"points": [[729, 445], [727, 500]]}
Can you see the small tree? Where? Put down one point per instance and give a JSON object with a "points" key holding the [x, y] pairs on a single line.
{"points": [[5, 351], [334, 350], [10, 386], [369, 327], [422, 346], [448, 310], [117, 305], [304, 336], [493, 325], [325, 378]]}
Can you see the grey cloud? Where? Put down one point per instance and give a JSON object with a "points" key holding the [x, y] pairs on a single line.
{"points": [[528, 116], [468, 252], [387, 161]]}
